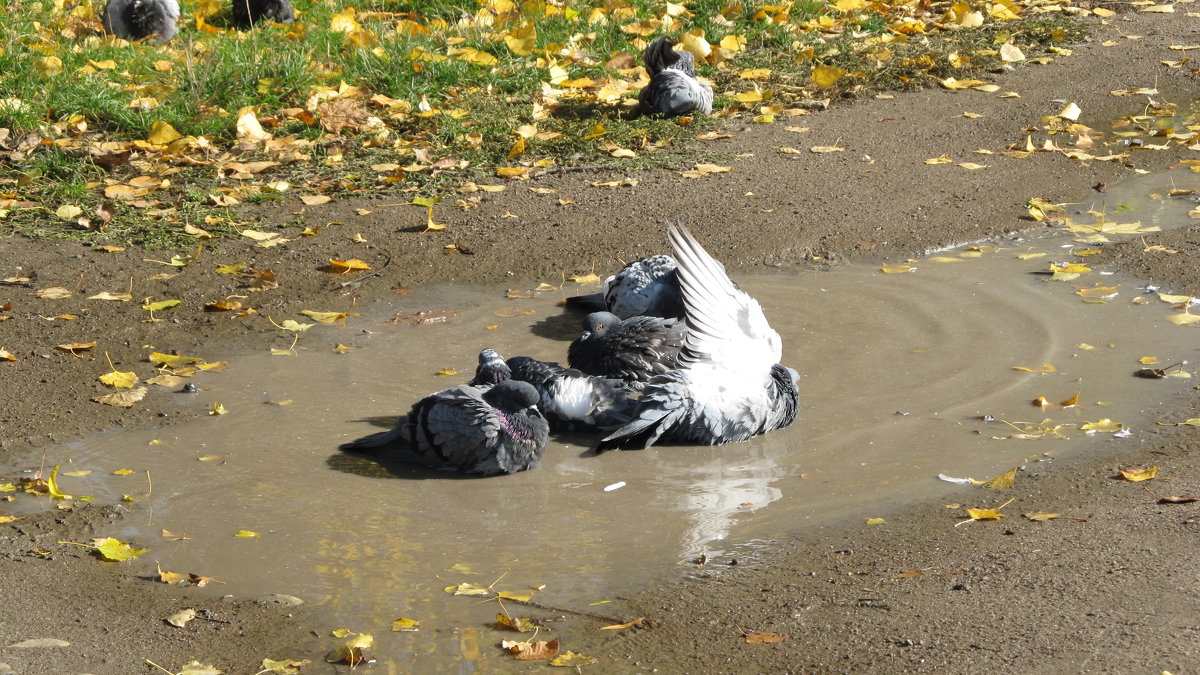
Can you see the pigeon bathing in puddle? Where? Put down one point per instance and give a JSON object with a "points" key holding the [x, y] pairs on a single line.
{"points": [[462, 428], [729, 385], [673, 89], [646, 287], [492, 369], [636, 349], [570, 398], [140, 19], [249, 12]]}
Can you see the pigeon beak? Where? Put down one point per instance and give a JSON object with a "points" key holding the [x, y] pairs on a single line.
{"points": [[586, 334]]}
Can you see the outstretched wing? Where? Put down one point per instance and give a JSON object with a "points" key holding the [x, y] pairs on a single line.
{"points": [[726, 327]]}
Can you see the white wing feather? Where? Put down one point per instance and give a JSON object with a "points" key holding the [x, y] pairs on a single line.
{"points": [[726, 327]]}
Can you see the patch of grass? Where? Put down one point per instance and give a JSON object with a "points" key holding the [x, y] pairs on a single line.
{"points": [[71, 88]]}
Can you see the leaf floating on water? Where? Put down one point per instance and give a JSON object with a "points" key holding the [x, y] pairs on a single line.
{"points": [[1071, 402], [537, 651], [897, 269], [521, 625], [247, 534], [52, 485], [1137, 475], [1046, 368], [573, 660], [510, 312], [876, 521], [403, 625], [1041, 401], [1183, 319], [591, 278], [350, 652], [1104, 426], [467, 589], [519, 596]]}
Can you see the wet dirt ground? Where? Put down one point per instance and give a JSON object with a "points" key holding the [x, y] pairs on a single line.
{"points": [[1112, 588]]}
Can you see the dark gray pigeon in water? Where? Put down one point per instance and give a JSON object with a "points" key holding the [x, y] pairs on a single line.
{"points": [[468, 430], [646, 287], [570, 398], [139, 19], [492, 369], [249, 12], [729, 386], [636, 349], [673, 89]]}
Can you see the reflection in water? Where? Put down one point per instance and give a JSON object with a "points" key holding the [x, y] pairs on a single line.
{"points": [[897, 373]]}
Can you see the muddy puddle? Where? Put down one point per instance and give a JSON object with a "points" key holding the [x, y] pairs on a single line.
{"points": [[900, 374]]}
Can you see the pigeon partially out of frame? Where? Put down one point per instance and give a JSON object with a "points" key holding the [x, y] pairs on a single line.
{"points": [[140, 19]]}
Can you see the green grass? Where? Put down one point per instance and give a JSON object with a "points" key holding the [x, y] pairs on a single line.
{"points": [[56, 85]]}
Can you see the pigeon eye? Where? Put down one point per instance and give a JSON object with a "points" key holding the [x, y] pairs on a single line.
{"points": [[599, 326]]}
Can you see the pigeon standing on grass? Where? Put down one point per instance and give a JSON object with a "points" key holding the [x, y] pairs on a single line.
{"points": [[140, 19], [249, 12], [570, 398], [635, 349], [490, 432], [646, 287], [729, 386], [673, 89]]}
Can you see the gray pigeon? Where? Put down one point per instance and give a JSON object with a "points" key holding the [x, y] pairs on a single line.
{"points": [[646, 287], [673, 89], [570, 398], [139, 19], [636, 349], [249, 12], [729, 386], [492, 370], [470, 431]]}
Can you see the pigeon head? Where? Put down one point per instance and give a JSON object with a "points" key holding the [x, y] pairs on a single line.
{"points": [[511, 396], [491, 369], [597, 324]]}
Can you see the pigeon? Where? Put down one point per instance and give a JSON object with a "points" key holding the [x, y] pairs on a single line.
{"points": [[470, 431], [246, 13], [729, 385], [492, 370], [673, 89], [140, 19], [570, 398], [646, 287], [636, 349]]}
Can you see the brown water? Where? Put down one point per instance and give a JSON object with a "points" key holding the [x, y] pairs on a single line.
{"points": [[897, 372]]}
